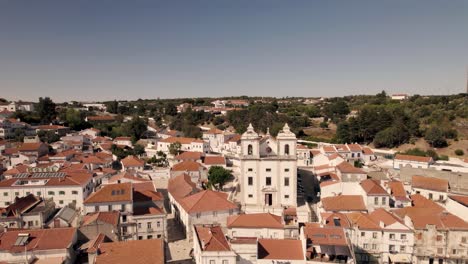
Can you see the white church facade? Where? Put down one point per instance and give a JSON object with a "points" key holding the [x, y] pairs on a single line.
{"points": [[268, 171]]}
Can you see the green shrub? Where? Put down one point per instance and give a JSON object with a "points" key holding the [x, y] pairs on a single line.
{"points": [[459, 152]]}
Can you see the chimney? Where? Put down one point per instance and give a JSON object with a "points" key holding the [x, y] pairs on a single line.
{"points": [[381, 224]]}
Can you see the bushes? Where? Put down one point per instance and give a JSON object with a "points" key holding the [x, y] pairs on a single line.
{"points": [[459, 152]]}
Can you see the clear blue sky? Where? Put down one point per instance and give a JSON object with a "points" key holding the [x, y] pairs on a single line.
{"points": [[106, 49]]}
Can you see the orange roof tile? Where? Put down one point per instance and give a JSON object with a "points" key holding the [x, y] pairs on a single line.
{"points": [[214, 160], [460, 199], [344, 203], [39, 239], [187, 166], [397, 189], [326, 236], [373, 187], [206, 201], [413, 158], [181, 140], [132, 161], [189, 155], [211, 238], [363, 221], [260, 220], [382, 215], [121, 192], [181, 186], [280, 249], [345, 167], [106, 217], [150, 251], [430, 183]]}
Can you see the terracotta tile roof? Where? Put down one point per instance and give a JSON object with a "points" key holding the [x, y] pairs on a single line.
{"points": [[150, 251], [95, 243], [50, 127], [111, 218], [187, 166], [123, 139], [355, 147], [235, 138], [344, 203], [363, 221], [442, 220], [373, 187], [39, 239], [382, 215], [206, 201], [334, 156], [413, 158], [128, 176], [215, 160], [21, 205], [337, 220], [71, 179], [181, 140], [422, 202], [280, 249], [121, 192], [147, 195], [367, 151], [20, 168], [101, 118], [260, 220], [211, 238], [328, 183], [91, 160], [397, 189], [345, 167], [181, 186], [132, 161], [341, 148], [30, 146], [148, 210], [329, 149], [189, 155], [430, 183], [326, 236], [460, 199]]}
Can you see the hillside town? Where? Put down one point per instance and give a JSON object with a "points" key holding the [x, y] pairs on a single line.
{"points": [[70, 195]]}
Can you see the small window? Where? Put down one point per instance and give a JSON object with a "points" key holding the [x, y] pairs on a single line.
{"points": [[51, 193], [140, 237], [439, 238], [286, 181], [16, 193], [39, 193], [250, 181], [150, 237], [5, 194], [391, 248], [61, 192], [402, 249], [374, 235], [286, 170], [109, 208], [61, 202], [268, 170], [249, 150], [392, 236], [454, 251], [363, 234], [286, 149], [463, 239], [250, 195], [366, 246], [74, 192], [158, 224], [440, 251], [286, 196], [198, 215], [384, 200], [249, 169], [148, 225], [268, 181], [403, 236], [122, 207], [139, 225], [376, 200], [430, 196], [215, 214]]}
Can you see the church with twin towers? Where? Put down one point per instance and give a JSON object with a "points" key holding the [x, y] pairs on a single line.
{"points": [[268, 171]]}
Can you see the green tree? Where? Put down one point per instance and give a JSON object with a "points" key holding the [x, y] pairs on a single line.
{"points": [[459, 152], [46, 110], [138, 150], [112, 107], [174, 148], [76, 119], [218, 175], [48, 136], [435, 137], [171, 109], [135, 128]]}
